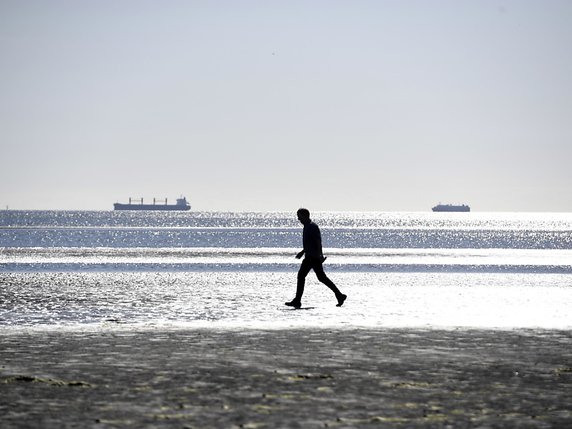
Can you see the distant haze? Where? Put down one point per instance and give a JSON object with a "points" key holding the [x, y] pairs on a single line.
{"points": [[273, 105]]}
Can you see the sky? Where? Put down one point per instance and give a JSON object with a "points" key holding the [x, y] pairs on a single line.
{"points": [[273, 105]]}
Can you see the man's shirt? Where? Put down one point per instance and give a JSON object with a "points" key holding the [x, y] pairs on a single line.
{"points": [[312, 240]]}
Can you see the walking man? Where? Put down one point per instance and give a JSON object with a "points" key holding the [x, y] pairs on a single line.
{"points": [[312, 241]]}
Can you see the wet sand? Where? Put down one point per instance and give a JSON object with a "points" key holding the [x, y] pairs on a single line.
{"points": [[388, 378]]}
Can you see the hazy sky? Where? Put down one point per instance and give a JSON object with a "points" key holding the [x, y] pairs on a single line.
{"points": [[272, 105]]}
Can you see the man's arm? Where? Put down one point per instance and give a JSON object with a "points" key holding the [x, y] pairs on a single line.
{"points": [[299, 255]]}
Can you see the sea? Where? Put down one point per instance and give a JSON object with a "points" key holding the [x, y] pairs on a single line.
{"points": [[116, 270]]}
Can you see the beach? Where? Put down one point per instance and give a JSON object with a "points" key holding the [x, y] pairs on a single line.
{"points": [[313, 377], [154, 320]]}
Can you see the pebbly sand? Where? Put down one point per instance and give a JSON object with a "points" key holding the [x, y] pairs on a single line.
{"points": [[215, 378]]}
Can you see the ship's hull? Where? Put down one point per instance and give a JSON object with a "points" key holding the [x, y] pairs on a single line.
{"points": [[153, 207], [451, 208]]}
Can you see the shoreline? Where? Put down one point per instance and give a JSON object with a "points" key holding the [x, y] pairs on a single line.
{"points": [[300, 377]]}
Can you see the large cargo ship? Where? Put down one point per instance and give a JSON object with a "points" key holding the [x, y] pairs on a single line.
{"points": [[158, 205], [451, 208]]}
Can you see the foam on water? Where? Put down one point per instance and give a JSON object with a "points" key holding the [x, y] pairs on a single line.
{"points": [[281, 259]]}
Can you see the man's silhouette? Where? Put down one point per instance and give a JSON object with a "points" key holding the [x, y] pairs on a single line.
{"points": [[312, 241]]}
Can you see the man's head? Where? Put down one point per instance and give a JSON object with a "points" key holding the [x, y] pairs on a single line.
{"points": [[303, 215]]}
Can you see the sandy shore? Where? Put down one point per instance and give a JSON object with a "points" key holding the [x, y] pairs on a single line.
{"points": [[301, 378]]}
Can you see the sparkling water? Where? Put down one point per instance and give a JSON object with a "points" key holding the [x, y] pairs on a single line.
{"points": [[117, 270]]}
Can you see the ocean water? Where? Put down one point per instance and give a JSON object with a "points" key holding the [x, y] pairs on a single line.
{"points": [[130, 270]]}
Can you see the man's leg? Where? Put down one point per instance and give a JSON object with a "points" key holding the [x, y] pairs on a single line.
{"points": [[322, 277], [302, 273], [305, 268]]}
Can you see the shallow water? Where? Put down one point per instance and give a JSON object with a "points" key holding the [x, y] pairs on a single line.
{"points": [[240, 299]]}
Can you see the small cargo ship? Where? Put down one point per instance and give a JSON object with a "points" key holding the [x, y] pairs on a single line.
{"points": [[451, 208], [158, 205]]}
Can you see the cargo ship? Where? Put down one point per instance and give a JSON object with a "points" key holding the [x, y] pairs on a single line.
{"points": [[158, 205], [451, 208]]}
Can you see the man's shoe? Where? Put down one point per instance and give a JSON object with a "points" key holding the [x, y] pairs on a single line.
{"points": [[294, 303], [341, 300]]}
